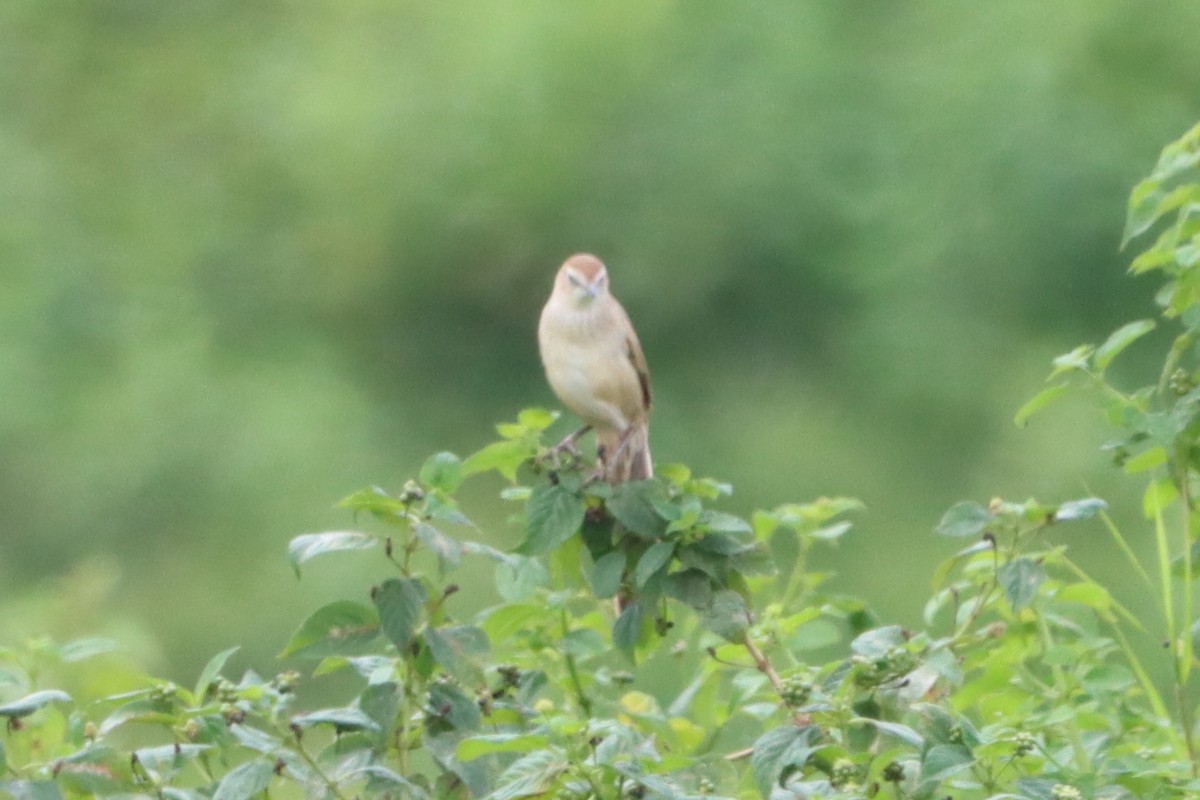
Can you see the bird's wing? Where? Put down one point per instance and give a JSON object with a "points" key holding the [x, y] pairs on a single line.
{"points": [[638, 359]]}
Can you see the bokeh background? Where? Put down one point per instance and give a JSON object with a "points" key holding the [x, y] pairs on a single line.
{"points": [[255, 256]]}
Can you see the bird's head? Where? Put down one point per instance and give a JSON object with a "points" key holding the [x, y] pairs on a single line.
{"points": [[582, 279]]}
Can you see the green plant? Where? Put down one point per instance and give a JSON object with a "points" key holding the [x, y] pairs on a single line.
{"points": [[650, 643]]}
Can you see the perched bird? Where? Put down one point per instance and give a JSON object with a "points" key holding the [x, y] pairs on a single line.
{"points": [[595, 365]]}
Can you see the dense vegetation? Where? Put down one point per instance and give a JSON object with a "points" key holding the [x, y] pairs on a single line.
{"points": [[256, 255], [1021, 683]]}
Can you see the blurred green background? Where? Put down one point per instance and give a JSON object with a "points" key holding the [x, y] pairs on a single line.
{"points": [[254, 256]]}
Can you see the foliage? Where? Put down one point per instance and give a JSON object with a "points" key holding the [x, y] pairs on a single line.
{"points": [[1021, 684]]}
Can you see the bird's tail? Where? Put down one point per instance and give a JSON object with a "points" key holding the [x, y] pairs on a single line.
{"points": [[625, 455]]}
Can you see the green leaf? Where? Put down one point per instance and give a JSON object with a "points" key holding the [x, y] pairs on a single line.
{"points": [[32, 702], [342, 627], [505, 457], [1145, 460], [944, 760], [343, 720], [212, 671], [633, 504], [169, 756], [245, 780], [778, 752], [448, 549], [473, 747], [654, 559], [449, 702], [720, 522], [964, 518], [1085, 508], [554, 514], [607, 573], [309, 545], [1158, 496], [876, 642], [894, 729], [82, 649], [380, 702], [442, 471], [374, 501], [627, 630], [1039, 401], [1020, 579], [727, 616], [380, 779], [31, 790], [518, 577], [401, 605], [1120, 339], [536, 419], [531, 775], [95, 770], [456, 650], [692, 587]]}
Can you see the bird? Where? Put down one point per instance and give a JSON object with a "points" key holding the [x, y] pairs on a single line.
{"points": [[595, 365]]}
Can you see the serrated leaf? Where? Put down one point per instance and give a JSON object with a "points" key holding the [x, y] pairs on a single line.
{"points": [[1020, 579], [530, 776], [727, 616], [896, 730], [943, 760], [212, 671], [554, 514], [779, 751], [692, 587], [401, 606], [32, 702], [473, 747], [255, 739], [448, 549], [449, 702], [536, 419], [633, 505], [342, 627], [456, 649], [964, 518], [654, 559], [607, 573], [310, 545], [169, 755], [1120, 339], [506, 457], [245, 780], [876, 642], [442, 471], [342, 719], [720, 522]]}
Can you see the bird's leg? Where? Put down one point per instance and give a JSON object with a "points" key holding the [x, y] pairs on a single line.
{"points": [[568, 444]]}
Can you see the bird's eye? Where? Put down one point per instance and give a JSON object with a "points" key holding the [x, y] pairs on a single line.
{"points": [[575, 279]]}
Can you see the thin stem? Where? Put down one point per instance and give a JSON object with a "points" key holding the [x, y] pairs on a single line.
{"points": [[585, 703], [1126, 549], [764, 666], [308, 759], [1060, 683]]}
